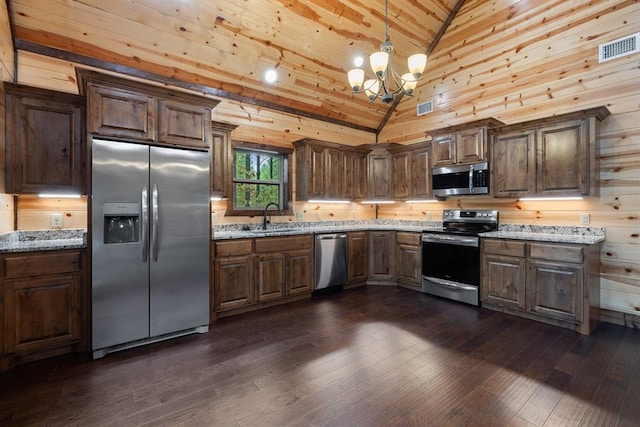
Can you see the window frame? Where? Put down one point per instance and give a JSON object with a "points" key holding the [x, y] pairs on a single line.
{"points": [[285, 178]]}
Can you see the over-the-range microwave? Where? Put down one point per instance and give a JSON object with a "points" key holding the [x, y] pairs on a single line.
{"points": [[461, 179]]}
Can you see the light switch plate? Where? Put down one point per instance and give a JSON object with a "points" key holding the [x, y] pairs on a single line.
{"points": [[55, 220], [585, 219], [214, 218], [300, 216]]}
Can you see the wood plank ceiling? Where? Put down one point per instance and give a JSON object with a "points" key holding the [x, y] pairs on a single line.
{"points": [[224, 47]]}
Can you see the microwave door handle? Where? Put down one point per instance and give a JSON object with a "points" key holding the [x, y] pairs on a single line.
{"points": [[471, 179]]}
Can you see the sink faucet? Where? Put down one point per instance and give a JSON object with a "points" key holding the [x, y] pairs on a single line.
{"points": [[264, 216]]}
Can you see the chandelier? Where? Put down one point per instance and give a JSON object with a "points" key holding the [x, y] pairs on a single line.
{"points": [[388, 82]]}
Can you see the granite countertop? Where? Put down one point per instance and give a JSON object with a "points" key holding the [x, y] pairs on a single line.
{"points": [[43, 240], [576, 235], [291, 229], [553, 234]]}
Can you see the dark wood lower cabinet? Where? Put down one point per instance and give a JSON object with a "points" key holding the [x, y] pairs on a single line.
{"points": [[409, 260], [253, 273], [552, 283], [41, 296], [382, 260], [357, 258]]}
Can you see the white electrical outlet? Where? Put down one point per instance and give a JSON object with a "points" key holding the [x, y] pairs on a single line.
{"points": [[214, 218], [55, 220], [318, 215], [300, 216], [585, 218], [428, 216]]}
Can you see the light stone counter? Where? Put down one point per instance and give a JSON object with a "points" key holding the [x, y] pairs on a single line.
{"points": [[43, 240], [575, 235]]}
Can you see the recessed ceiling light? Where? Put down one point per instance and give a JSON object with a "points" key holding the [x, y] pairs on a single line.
{"points": [[270, 76]]}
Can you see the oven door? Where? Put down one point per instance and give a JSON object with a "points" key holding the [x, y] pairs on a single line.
{"points": [[451, 267]]}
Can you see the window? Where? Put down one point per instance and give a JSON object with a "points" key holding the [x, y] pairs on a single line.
{"points": [[259, 177]]}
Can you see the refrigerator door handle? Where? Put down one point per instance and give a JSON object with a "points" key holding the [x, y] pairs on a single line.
{"points": [[154, 223], [144, 203]]}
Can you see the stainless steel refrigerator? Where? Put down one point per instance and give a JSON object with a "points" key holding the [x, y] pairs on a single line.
{"points": [[150, 214]]}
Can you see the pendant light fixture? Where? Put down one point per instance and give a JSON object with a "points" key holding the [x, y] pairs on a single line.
{"points": [[387, 82]]}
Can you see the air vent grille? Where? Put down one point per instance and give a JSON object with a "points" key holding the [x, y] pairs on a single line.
{"points": [[424, 108], [620, 47]]}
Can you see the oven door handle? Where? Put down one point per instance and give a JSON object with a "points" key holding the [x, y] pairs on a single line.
{"points": [[451, 285], [452, 240]]}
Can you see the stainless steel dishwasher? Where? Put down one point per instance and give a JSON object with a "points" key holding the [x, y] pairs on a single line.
{"points": [[330, 261]]}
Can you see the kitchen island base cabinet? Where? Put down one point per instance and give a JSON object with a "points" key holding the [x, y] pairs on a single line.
{"points": [[41, 296], [557, 284]]}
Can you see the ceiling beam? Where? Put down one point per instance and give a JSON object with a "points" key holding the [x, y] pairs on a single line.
{"points": [[40, 49], [430, 49]]}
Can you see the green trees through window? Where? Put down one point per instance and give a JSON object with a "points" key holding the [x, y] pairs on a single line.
{"points": [[257, 179]]}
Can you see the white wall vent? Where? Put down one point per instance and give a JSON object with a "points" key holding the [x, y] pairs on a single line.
{"points": [[424, 108], [620, 47]]}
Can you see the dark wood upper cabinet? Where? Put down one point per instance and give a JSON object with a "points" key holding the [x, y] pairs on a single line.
{"points": [[130, 110], [44, 141], [380, 174], [121, 113], [411, 171], [328, 171], [462, 144], [221, 159], [549, 157]]}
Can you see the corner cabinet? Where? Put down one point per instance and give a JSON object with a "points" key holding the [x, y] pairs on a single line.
{"points": [[547, 157], [125, 109], [411, 167], [44, 141], [382, 260], [41, 296], [553, 283]]}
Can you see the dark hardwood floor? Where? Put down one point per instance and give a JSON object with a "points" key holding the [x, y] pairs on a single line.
{"points": [[370, 357]]}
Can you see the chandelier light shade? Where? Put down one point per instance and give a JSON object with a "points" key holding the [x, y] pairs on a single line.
{"points": [[388, 82]]}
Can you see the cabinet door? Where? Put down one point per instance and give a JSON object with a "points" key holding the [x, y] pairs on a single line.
{"points": [[382, 255], [299, 271], [421, 174], [503, 281], [380, 179], [41, 313], [184, 124], [471, 145], [44, 146], [333, 174], [409, 259], [563, 159], [220, 162], [355, 175], [444, 150], [270, 276], [514, 164], [402, 175], [357, 254], [316, 172], [233, 282], [121, 113], [555, 289]]}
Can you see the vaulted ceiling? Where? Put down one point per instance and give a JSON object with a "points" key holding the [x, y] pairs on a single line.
{"points": [[224, 47]]}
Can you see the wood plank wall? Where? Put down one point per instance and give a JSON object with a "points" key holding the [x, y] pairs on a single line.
{"points": [[498, 60]]}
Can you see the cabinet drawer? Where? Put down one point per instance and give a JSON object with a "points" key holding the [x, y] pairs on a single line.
{"points": [[233, 248], [504, 247], [556, 252], [282, 244], [413, 239], [35, 265]]}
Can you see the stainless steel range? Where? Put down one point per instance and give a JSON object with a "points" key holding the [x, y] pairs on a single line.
{"points": [[451, 256]]}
